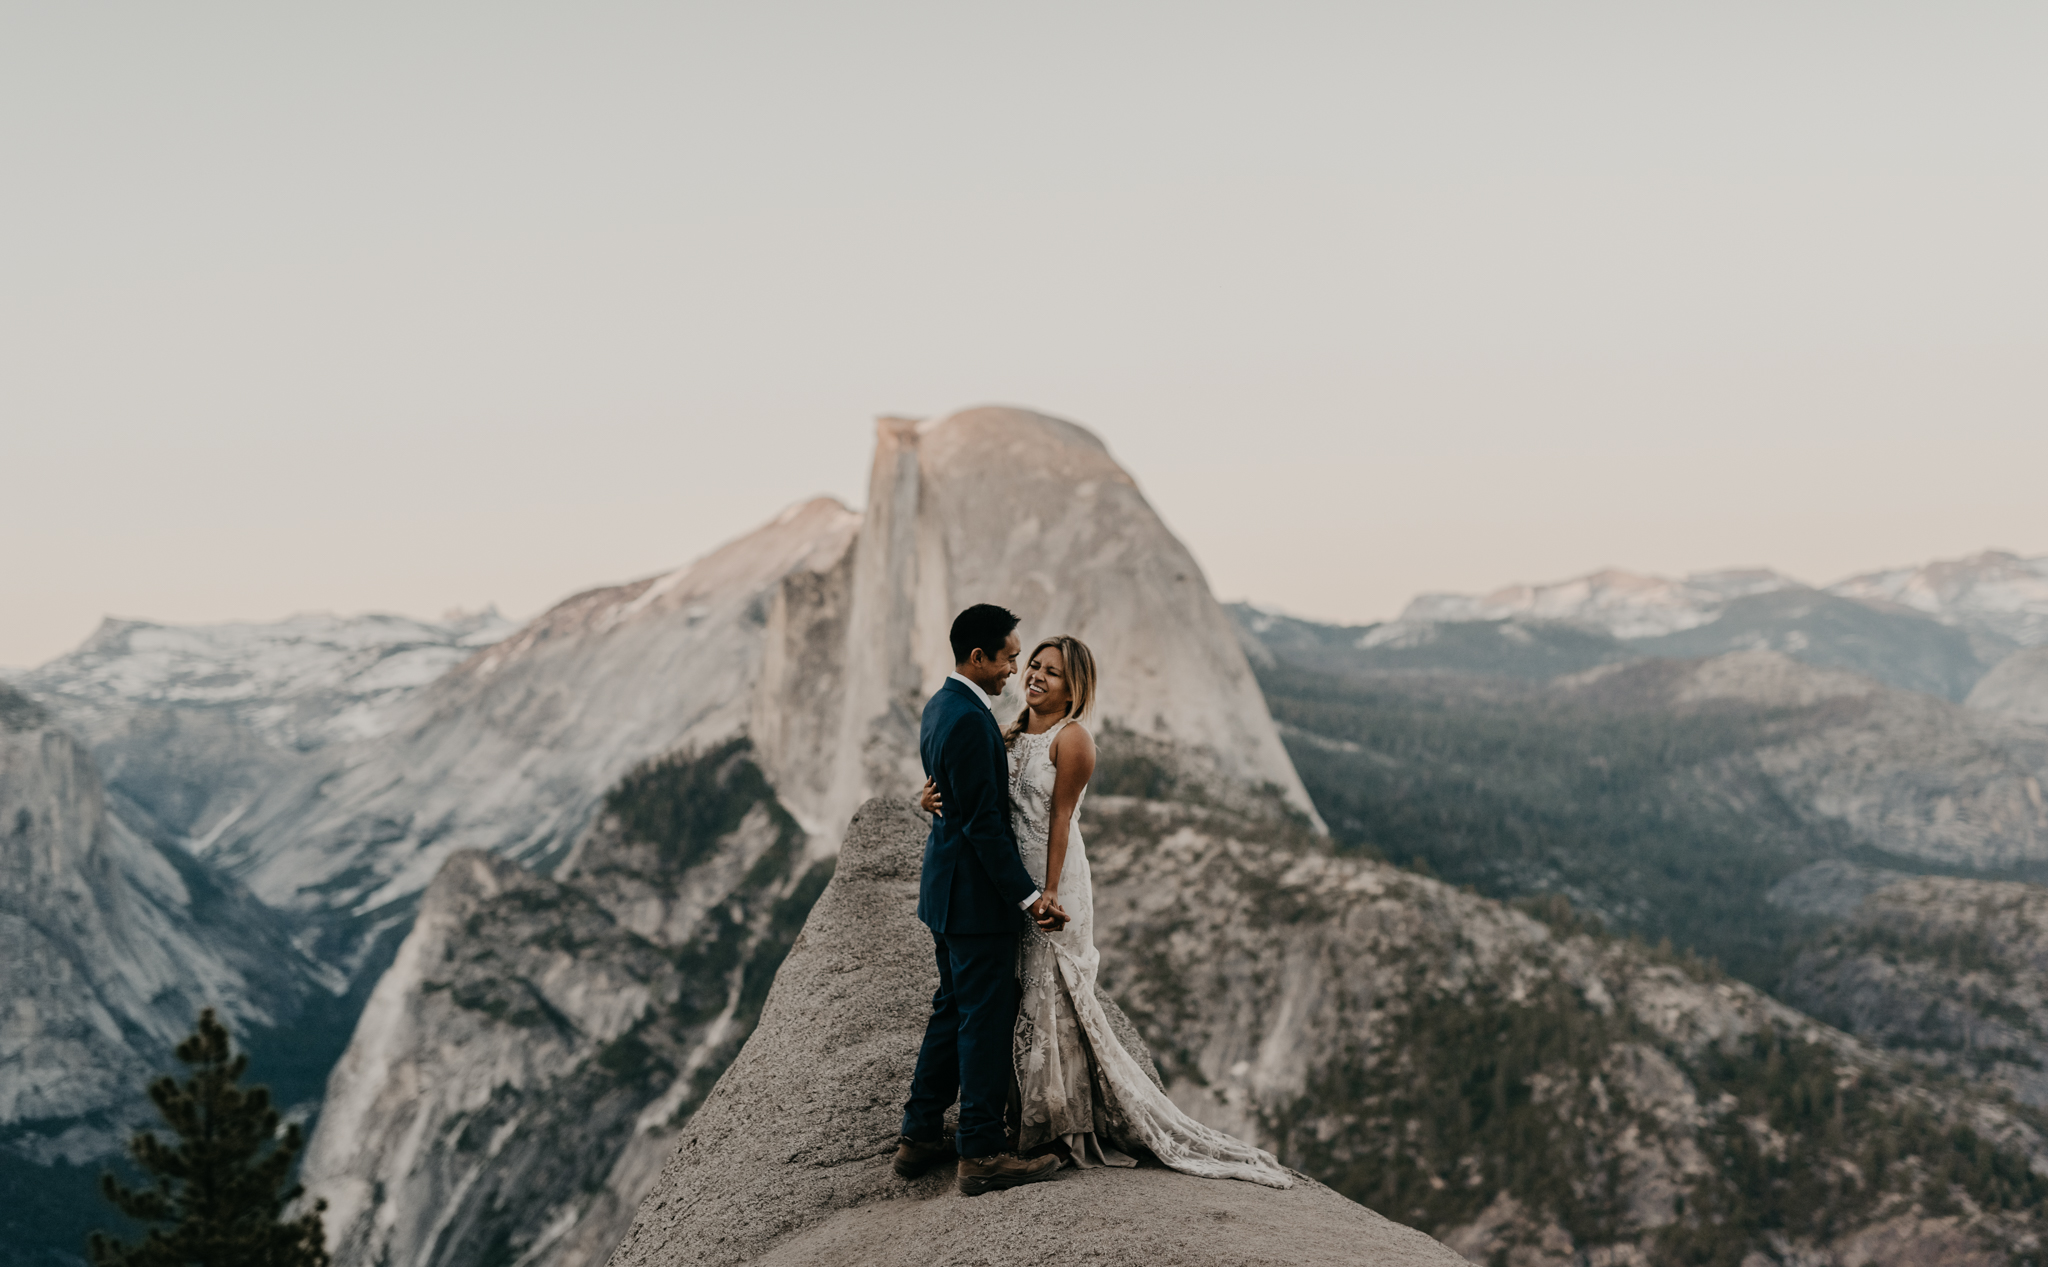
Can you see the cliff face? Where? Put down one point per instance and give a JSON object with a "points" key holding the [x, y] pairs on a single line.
{"points": [[1012, 507], [522, 1068], [511, 751], [787, 1161], [112, 946]]}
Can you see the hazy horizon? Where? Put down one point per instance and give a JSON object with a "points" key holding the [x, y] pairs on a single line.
{"points": [[523, 615], [399, 310]]}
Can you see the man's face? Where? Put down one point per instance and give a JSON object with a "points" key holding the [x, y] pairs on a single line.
{"points": [[992, 675]]}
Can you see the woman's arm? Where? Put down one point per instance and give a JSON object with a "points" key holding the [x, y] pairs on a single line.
{"points": [[1073, 762]]}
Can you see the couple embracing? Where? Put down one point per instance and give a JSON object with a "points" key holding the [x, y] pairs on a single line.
{"points": [[1005, 891]]}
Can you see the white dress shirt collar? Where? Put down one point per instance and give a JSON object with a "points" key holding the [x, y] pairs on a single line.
{"points": [[979, 694]]}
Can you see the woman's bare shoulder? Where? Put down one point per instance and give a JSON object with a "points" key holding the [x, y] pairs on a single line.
{"points": [[1074, 737]]}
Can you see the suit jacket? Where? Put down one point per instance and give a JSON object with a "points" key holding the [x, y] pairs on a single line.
{"points": [[973, 882]]}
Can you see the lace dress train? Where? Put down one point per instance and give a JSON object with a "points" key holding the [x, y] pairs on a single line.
{"points": [[1075, 1081]]}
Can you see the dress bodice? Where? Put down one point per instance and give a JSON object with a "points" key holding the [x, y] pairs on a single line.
{"points": [[1032, 776]]}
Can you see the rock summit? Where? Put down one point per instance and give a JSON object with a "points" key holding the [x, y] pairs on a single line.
{"points": [[787, 1161]]}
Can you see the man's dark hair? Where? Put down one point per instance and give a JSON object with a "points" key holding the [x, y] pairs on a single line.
{"points": [[983, 625]]}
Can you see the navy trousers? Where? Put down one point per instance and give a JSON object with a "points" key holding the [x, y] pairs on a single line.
{"points": [[967, 1041]]}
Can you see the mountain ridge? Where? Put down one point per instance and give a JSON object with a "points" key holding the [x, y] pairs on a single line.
{"points": [[112, 944], [1995, 593]]}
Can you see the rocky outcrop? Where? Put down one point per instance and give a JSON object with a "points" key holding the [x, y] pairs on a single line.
{"points": [[523, 1067], [787, 1161], [112, 945], [2017, 688]]}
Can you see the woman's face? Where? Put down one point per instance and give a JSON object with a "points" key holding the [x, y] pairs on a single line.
{"points": [[1045, 682]]}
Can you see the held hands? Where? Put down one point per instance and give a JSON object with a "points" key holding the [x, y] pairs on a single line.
{"points": [[1048, 914]]}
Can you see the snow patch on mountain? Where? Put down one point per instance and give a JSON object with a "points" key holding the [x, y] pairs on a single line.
{"points": [[190, 724], [1624, 604], [1995, 592], [301, 682]]}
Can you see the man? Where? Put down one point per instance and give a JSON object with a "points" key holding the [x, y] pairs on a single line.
{"points": [[975, 895]]}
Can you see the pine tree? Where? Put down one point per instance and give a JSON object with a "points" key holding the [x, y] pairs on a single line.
{"points": [[219, 1195]]}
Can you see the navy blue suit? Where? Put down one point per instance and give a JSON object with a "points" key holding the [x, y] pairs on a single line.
{"points": [[970, 894]]}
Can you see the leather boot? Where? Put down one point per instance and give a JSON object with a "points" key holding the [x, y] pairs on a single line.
{"points": [[915, 1156], [1003, 1170]]}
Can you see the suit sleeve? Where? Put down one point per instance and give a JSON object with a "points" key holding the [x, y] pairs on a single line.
{"points": [[978, 764]]}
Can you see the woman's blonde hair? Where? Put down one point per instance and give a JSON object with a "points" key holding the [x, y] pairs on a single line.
{"points": [[1080, 675]]}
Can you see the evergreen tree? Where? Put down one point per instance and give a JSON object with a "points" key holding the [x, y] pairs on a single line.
{"points": [[221, 1190]]}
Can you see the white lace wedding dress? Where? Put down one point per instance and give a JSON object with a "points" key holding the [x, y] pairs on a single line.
{"points": [[1075, 1081]]}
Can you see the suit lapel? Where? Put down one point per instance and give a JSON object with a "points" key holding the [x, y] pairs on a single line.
{"points": [[961, 689], [988, 718], [966, 694]]}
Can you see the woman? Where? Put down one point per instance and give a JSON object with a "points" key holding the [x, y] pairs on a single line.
{"points": [[1081, 1093]]}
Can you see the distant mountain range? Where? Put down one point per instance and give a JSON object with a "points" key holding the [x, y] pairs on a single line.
{"points": [[1996, 593], [1938, 628], [538, 879], [191, 723], [1570, 738]]}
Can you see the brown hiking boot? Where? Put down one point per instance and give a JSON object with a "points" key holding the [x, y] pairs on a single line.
{"points": [[915, 1156], [1003, 1170]]}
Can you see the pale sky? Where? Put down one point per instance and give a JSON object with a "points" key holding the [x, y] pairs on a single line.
{"points": [[408, 307]]}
